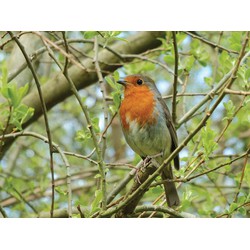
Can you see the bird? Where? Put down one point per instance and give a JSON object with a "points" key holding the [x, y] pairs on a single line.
{"points": [[148, 127]]}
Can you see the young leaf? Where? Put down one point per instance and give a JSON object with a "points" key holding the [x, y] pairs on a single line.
{"points": [[230, 108], [89, 34], [116, 75], [95, 206], [208, 140], [169, 59]]}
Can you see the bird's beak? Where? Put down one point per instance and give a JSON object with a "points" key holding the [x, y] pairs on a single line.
{"points": [[122, 82]]}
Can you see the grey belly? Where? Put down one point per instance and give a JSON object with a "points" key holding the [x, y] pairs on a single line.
{"points": [[149, 142]]}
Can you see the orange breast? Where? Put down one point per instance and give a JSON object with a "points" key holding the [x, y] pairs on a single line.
{"points": [[137, 105]]}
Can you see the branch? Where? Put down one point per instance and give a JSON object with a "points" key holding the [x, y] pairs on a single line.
{"points": [[176, 61], [123, 183], [4, 215], [104, 93], [166, 210], [241, 178]]}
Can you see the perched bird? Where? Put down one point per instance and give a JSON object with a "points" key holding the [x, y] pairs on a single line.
{"points": [[148, 127]]}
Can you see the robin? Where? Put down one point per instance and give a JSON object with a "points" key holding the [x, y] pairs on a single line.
{"points": [[148, 127]]}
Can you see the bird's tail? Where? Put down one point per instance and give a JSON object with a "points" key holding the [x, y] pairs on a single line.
{"points": [[170, 189]]}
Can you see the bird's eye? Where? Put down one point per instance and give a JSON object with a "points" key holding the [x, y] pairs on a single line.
{"points": [[139, 81]]}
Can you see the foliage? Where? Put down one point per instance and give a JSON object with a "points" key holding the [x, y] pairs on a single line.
{"points": [[214, 177]]}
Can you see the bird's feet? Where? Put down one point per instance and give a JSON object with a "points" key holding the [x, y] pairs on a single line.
{"points": [[146, 162]]}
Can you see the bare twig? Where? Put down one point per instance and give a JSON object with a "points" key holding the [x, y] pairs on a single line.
{"points": [[176, 61], [227, 91], [80, 211], [186, 179], [81, 156], [241, 205], [241, 178], [123, 183], [165, 210], [214, 45], [229, 121], [105, 110], [104, 93], [144, 58], [3, 212]]}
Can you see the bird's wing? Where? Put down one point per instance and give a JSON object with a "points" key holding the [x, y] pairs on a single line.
{"points": [[172, 131]]}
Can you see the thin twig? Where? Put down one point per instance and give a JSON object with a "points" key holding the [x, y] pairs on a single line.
{"points": [[176, 62], [44, 109], [166, 210], [241, 179], [229, 121], [214, 45], [71, 59], [21, 197], [3, 212], [107, 126], [144, 58], [80, 156], [227, 91], [104, 93], [247, 203], [186, 179], [123, 183]]}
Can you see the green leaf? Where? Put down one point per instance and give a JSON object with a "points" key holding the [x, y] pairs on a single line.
{"points": [[209, 81], [111, 82], [247, 74], [13, 96], [95, 206], [180, 37], [116, 75], [116, 99], [4, 75], [83, 135], [169, 59], [60, 190], [97, 176], [208, 140], [189, 62], [90, 34], [230, 108], [95, 124], [233, 207], [242, 211], [235, 41], [241, 199], [27, 115]]}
